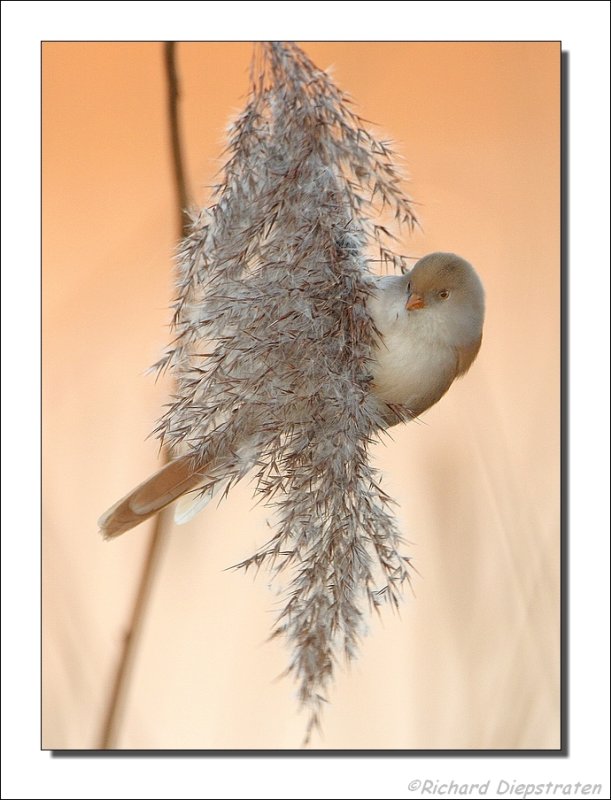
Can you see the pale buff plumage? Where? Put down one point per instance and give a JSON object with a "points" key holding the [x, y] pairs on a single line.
{"points": [[430, 324]]}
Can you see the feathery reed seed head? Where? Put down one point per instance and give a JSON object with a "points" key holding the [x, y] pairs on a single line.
{"points": [[273, 341]]}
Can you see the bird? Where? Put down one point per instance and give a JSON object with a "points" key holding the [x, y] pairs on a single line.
{"points": [[429, 324]]}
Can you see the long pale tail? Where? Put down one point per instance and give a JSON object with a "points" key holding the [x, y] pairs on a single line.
{"points": [[158, 491], [181, 478]]}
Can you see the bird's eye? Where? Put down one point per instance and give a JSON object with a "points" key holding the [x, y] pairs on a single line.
{"points": [[409, 286], [444, 294]]}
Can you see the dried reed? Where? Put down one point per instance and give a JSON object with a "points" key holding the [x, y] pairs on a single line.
{"points": [[273, 344]]}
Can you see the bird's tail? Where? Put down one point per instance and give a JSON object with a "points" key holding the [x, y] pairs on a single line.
{"points": [[168, 484], [184, 479]]}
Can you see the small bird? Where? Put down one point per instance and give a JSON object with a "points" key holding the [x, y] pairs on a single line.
{"points": [[430, 324]]}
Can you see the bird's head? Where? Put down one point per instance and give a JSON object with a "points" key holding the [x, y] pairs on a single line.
{"points": [[448, 289]]}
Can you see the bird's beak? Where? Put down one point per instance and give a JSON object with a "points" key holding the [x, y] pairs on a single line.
{"points": [[414, 301]]}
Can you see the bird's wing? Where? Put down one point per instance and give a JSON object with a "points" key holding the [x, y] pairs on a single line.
{"points": [[466, 356]]}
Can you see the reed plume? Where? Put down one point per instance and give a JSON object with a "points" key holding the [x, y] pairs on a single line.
{"points": [[273, 342]]}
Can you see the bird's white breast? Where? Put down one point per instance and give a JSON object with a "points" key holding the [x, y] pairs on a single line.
{"points": [[413, 365]]}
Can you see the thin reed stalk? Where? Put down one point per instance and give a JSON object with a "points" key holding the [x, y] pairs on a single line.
{"points": [[111, 725]]}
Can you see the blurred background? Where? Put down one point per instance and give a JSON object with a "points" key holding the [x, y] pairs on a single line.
{"points": [[473, 660]]}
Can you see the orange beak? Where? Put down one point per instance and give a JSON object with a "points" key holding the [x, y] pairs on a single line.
{"points": [[414, 301]]}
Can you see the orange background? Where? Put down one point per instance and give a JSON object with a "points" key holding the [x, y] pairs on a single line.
{"points": [[473, 661]]}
